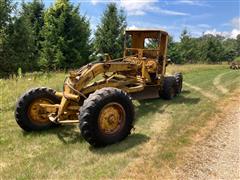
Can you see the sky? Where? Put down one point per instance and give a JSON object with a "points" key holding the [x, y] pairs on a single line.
{"points": [[197, 16]]}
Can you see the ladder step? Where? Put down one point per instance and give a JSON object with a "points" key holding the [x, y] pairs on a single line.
{"points": [[68, 121]]}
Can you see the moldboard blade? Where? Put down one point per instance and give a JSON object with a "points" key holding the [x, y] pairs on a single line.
{"points": [[149, 92]]}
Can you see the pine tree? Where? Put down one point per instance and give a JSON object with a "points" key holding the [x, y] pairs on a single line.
{"points": [[6, 30], [109, 36], [18, 38], [6, 8], [187, 48], [22, 43], [151, 43], [66, 36], [32, 13], [212, 50], [26, 36], [173, 51], [230, 49], [238, 45]]}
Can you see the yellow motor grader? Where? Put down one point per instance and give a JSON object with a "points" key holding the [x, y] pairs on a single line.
{"points": [[99, 95]]}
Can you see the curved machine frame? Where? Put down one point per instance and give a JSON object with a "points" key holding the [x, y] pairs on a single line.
{"points": [[133, 73]]}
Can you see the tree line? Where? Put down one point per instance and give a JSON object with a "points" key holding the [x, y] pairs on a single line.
{"points": [[36, 38], [205, 49]]}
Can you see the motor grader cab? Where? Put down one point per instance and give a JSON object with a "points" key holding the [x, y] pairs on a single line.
{"points": [[99, 95]]}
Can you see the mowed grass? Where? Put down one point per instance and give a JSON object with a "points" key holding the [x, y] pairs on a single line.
{"points": [[237, 59], [162, 127]]}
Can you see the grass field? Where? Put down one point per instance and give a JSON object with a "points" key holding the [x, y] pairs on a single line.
{"points": [[161, 129], [237, 59]]}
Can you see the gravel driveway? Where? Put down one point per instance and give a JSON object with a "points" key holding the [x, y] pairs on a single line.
{"points": [[218, 156]]}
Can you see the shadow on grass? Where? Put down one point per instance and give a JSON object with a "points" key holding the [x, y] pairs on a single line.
{"points": [[130, 142], [181, 99], [185, 92], [159, 105], [67, 134]]}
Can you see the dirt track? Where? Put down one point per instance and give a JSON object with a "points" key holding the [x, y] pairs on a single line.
{"points": [[218, 155]]}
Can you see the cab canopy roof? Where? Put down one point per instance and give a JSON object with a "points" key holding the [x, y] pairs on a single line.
{"points": [[138, 37], [148, 33]]}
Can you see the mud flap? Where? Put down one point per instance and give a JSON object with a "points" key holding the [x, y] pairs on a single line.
{"points": [[149, 92]]}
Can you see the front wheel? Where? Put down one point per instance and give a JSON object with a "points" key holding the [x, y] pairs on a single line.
{"points": [[106, 117], [29, 115]]}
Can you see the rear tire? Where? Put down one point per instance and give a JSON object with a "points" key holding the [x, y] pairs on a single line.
{"points": [[168, 91], [27, 109], [106, 117], [179, 81]]}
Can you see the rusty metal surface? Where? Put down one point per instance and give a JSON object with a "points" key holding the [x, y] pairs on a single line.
{"points": [[149, 92]]}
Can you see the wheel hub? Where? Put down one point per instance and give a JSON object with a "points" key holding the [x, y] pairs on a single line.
{"points": [[36, 113], [111, 118]]}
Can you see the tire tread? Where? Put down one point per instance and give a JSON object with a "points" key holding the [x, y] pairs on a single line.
{"points": [[87, 122]]}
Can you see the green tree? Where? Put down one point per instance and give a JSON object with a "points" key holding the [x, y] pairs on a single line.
{"points": [[22, 43], [230, 49], [212, 49], [66, 37], [187, 48], [18, 37], [238, 45], [151, 43], [6, 8], [32, 13], [109, 36], [6, 30], [26, 36], [174, 51]]}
